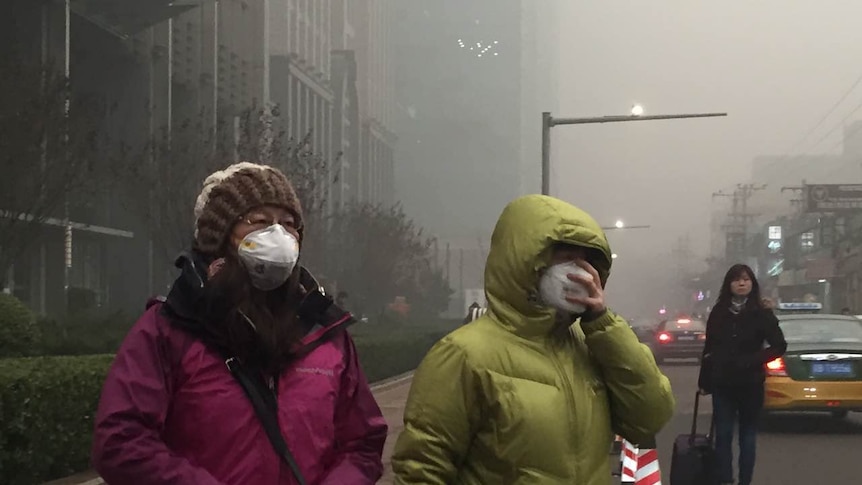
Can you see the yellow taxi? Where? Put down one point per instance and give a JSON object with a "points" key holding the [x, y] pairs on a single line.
{"points": [[822, 368]]}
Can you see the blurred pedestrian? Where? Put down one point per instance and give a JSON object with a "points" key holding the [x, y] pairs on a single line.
{"points": [[474, 311]]}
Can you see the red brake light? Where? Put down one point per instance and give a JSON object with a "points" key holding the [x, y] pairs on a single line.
{"points": [[776, 367], [664, 337]]}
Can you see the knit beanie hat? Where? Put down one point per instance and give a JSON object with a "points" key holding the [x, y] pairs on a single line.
{"points": [[228, 194]]}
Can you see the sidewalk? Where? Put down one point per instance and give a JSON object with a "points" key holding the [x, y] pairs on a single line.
{"points": [[391, 399], [391, 396]]}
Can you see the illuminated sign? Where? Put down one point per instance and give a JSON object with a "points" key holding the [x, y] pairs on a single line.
{"points": [[774, 246], [774, 233]]}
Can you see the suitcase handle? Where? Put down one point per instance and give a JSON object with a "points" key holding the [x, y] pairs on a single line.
{"points": [[694, 420]]}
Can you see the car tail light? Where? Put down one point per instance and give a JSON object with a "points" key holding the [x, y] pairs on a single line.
{"points": [[665, 337], [776, 367]]}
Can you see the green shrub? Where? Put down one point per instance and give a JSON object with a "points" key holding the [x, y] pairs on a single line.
{"points": [[80, 300], [386, 351], [84, 333], [19, 334], [46, 415]]}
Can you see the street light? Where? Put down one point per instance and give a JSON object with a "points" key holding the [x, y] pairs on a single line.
{"points": [[549, 122], [620, 224], [614, 256]]}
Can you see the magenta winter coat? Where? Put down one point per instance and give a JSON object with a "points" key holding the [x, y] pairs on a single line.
{"points": [[172, 413]]}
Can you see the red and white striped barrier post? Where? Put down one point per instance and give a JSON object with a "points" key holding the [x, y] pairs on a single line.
{"points": [[639, 465], [629, 457], [648, 472]]}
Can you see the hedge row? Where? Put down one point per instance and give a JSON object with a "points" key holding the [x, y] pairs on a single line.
{"points": [[47, 403], [46, 415], [386, 357], [19, 332]]}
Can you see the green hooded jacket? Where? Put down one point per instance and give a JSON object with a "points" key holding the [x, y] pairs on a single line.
{"points": [[503, 401]]}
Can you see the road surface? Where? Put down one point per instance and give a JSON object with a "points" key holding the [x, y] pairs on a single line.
{"points": [[791, 449]]}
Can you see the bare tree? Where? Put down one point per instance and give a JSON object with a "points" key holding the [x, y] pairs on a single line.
{"points": [[164, 178], [377, 253], [374, 252], [49, 143]]}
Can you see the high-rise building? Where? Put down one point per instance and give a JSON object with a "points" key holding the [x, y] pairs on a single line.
{"points": [[474, 77], [165, 64], [362, 78]]}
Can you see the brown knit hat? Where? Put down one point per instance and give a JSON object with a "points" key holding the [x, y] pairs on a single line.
{"points": [[230, 193]]}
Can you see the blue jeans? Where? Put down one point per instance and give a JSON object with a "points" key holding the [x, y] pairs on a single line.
{"points": [[730, 405]]}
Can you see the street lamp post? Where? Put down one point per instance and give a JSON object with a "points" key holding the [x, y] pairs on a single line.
{"points": [[549, 122], [617, 228]]}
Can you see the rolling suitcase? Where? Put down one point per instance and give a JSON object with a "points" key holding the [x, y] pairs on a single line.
{"points": [[693, 459]]}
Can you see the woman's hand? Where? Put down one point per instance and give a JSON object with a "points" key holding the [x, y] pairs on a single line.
{"points": [[215, 267], [595, 301]]}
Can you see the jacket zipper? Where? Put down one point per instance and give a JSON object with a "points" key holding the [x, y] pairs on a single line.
{"points": [[570, 408]]}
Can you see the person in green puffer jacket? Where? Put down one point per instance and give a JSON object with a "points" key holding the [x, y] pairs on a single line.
{"points": [[523, 395]]}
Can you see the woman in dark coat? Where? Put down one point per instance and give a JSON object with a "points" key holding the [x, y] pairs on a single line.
{"points": [[734, 356]]}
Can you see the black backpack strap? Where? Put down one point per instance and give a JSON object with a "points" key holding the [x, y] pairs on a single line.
{"points": [[266, 407]]}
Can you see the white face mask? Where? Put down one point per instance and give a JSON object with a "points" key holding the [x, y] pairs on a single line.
{"points": [[269, 255], [555, 286]]}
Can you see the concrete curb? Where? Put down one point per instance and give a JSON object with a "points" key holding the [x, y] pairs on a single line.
{"points": [[386, 384], [85, 478], [95, 481]]}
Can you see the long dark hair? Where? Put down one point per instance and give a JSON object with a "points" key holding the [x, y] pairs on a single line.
{"points": [[726, 295], [234, 305]]}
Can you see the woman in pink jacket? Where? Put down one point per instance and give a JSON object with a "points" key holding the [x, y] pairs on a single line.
{"points": [[244, 374]]}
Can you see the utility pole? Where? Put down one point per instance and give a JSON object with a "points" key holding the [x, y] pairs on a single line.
{"points": [[461, 269], [799, 201], [448, 267], [740, 216], [736, 229], [682, 254]]}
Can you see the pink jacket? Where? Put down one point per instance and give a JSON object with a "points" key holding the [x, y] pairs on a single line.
{"points": [[171, 413]]}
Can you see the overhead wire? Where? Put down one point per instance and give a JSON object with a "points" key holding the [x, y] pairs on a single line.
{"points": [[828, 113], [819, 123]]}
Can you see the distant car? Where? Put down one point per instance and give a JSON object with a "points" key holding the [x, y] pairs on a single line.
{"points": [[822, 368], [644, 329], [679, 338]]}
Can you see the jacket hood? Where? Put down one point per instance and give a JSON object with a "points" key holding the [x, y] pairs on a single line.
{"points": [[519, 251]]}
